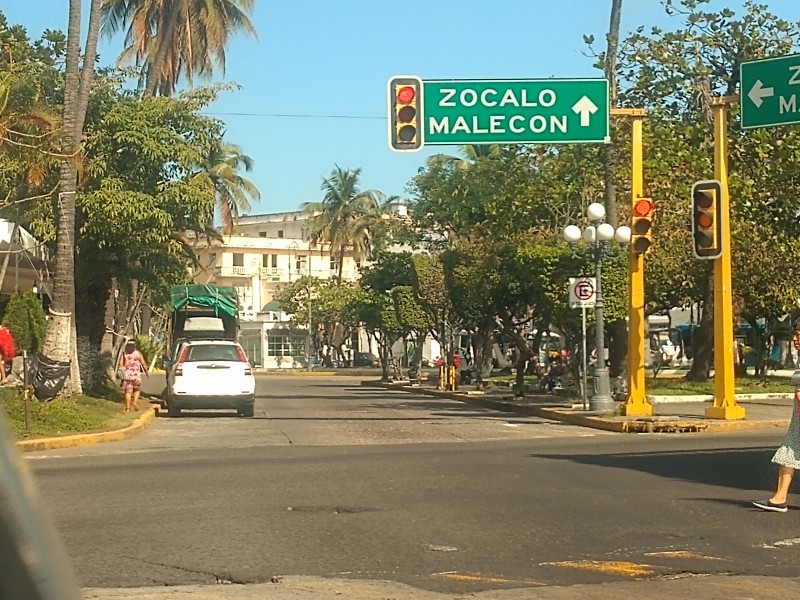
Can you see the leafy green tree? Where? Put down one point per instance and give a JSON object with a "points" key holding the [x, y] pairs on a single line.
{"points": [[674, 75], [25, 319]]}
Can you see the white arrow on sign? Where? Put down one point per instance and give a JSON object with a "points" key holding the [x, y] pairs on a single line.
{"points": [[584, 107], [759, 92]]}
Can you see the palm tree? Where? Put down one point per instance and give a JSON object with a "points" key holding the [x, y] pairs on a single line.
{"points": [[342, 220], [168, 39], [60, 339], [232, 190]]}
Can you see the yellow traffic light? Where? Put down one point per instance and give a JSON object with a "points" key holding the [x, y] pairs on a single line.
{"points": [[405, 102], [706, 206], [642, 225]]}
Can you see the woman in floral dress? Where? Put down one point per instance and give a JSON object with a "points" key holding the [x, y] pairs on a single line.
{"points": [[133, 365], [788, 455]]}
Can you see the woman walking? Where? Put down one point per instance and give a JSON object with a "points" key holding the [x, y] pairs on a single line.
{"points": [[133, 365], [788, 455]]}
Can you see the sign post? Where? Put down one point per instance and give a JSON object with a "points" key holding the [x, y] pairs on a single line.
{"points": [[582, 295], [770, 91], [520, 111]]}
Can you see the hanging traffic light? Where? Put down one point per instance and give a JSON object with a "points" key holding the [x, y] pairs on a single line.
{"points": [[642, 225], [706, 207], [405, 101]]}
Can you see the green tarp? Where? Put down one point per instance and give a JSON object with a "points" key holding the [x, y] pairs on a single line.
{"points": [[219, 297]]}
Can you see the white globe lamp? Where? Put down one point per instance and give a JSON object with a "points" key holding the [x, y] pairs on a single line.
{"points": [[572, 233], [596, 212], [590, 234], [605, 232], [623, 234]]}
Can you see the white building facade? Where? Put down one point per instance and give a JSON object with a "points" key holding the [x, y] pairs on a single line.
{"points": [[264, 254]]}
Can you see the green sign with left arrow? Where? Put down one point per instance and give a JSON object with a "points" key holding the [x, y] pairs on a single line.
{"points": [[524, 111], [770, 91]]}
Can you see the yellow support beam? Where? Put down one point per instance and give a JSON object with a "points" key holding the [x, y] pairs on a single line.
{"points": [[724, 406], [636, 404]]}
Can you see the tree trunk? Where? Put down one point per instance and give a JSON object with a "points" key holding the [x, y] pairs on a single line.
{"points": [[107, 356], [618, 331], [611, 74], [61, 326], [703, 339]]}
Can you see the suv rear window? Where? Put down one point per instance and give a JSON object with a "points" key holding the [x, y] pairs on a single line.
{"points": [[209, 352]]}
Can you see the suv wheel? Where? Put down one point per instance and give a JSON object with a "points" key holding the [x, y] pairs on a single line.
{"points": [[247, 411], [173, 411]]}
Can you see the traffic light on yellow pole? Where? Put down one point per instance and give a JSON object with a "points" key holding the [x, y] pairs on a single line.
{"points": [[642, 211], [405, 118], [707, 219]]}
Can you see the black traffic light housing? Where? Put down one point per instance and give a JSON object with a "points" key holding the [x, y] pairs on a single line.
{"points": [[405, 113], [642, 225], [706, 219]]}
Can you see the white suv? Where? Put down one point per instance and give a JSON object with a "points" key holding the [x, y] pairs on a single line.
{"points": [[211, 374]]}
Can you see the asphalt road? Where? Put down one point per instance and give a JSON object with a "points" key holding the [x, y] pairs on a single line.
{"points": [[335, 480]]}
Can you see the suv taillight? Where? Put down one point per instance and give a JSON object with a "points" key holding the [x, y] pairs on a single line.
{"points": [[179, 370], [248, 370]]}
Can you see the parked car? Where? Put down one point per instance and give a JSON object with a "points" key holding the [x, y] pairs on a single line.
{"points": [[365, 359], [211, 374]]}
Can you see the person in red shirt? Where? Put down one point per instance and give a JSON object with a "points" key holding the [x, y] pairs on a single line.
{"points": [[8, 350]]}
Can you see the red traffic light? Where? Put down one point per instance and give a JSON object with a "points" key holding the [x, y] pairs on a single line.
{"points": [[643, 207], [406, 94], [405, 113]]}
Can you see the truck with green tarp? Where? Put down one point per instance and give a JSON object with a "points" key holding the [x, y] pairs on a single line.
{"points": [[202, 312]]}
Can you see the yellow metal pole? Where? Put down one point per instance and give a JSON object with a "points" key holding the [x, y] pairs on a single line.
{"points": [[636, 404], [725, 406]]}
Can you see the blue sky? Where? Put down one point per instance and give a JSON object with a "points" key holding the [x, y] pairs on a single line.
{"points": [[314, 83]]}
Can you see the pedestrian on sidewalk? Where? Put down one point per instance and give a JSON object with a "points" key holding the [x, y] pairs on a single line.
{"points": [[8, 350], [787, 457], [133, 365]]}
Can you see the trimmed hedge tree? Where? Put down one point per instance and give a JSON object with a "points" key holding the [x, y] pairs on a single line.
{"points": [[25, 318]]}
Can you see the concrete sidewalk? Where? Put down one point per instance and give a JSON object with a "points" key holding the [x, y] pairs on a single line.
{"points": [[673, 414], [716, 587]]}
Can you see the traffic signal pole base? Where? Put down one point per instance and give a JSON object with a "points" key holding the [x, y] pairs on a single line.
{"points": [[633, 408], [728, 413]]}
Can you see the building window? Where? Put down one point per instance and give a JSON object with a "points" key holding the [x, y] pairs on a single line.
{"points": [[251, 343], [262, 234], [238, 259], [335, 264], [280, 233], [270, 261], [300, 265], [285, 345]]}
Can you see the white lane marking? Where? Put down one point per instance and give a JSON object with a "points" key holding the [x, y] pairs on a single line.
{"points": [[783, 543]]}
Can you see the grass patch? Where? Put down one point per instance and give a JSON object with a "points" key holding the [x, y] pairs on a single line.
{"points": [[743, 385], [677, 386], [62, 416]]}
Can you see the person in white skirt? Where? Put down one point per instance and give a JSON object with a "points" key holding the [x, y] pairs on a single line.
{"points": [[788, 455]]}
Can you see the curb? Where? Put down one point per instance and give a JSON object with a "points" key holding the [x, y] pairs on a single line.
{"points": [[88, 439], [614, 424]]}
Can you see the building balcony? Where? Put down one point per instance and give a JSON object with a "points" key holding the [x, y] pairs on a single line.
{"points": [[273, 274], [235, 272]]}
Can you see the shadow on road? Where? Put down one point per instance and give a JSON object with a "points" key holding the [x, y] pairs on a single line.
{"points": [[738, 468]]}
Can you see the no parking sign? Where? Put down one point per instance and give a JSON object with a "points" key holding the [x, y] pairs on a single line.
{"points": [[582, 292]]}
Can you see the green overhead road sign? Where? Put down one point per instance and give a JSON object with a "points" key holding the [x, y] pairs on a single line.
{"points": [[524, 111], [770, 91]]}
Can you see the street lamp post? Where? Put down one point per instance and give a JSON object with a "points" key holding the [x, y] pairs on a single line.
{"points": [[598, 235]]}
